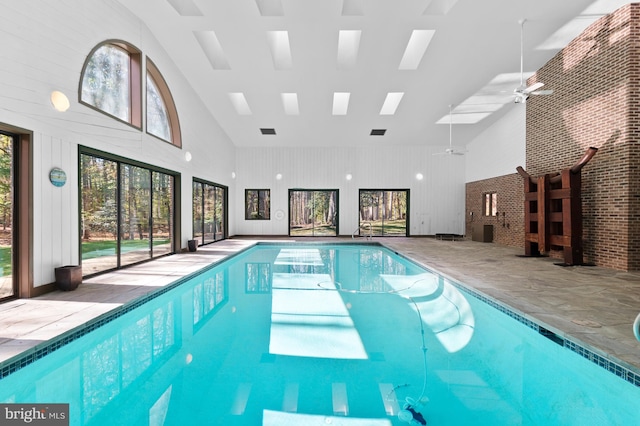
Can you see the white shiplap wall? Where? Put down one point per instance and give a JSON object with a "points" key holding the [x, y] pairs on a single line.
{"points": [[501, 148], [42, 48], [437, 201]]}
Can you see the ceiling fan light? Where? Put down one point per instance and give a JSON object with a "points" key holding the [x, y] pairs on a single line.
{"points": [[521, 98]]}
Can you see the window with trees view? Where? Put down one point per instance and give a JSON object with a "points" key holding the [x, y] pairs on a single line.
{"points": [[162, 116], [257, 204], [7, 287], [209, 212], [384, 212], [313, 212], [490, 204], [157, 117], [111, 82], [127, 213]]}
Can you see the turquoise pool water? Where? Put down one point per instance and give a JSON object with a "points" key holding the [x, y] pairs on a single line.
{"points": [[316, 335]]}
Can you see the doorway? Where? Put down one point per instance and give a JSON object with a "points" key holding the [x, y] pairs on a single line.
{"points": [[383, 212], [8, 287], [313, 213]]}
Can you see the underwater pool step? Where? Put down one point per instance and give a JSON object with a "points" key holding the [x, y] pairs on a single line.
{"points": [[551, 335]]}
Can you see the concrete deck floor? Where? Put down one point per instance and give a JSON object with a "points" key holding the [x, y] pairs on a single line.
{"points": [[593, 306]]}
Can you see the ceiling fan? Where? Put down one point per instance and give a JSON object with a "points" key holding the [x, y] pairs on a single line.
{"points": [[451, 150], [523, 91]]}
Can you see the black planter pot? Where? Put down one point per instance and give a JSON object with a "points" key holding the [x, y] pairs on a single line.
{"points": [[68, 277], [192, 245]]}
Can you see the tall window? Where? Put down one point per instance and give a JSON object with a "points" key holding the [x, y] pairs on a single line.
{"points": [[257, 204], [384, 212], [162, 116], [490, 202], [127, 213], [157, 117], [209, 212], [313, 212], [7, 287]]}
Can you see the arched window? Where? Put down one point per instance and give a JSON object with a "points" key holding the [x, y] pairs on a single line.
{"points": [[162, 116], [111, 81]]}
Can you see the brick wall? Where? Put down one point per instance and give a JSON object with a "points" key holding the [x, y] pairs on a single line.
{"points": [[595, 103], [508, 225]]}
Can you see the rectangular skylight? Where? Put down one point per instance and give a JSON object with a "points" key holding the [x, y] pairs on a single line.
{"points": [[464, 118], [439, 7], [576, 26], [340, 103], [417, 45], [290, 103], [468, 106], [270, 7], [280, 49], [239, 102], [348, 45], [391, 103], [185, 7], [212, 49]]}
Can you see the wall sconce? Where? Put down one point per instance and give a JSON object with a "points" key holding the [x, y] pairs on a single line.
{"points": [[187, 156], [279, 176], [349, 176], [59, 101], [233, 175], [419, 176]]}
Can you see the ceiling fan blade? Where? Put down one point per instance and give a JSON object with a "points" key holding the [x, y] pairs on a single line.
{"points": [[543, 92], [533, 87]]}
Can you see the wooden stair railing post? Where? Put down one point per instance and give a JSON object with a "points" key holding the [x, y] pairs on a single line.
{"points": [[543, 209]]}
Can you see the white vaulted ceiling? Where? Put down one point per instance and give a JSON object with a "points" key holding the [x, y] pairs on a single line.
{"points": [[327, 72]]}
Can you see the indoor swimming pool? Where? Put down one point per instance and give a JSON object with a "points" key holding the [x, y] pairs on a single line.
{"points": [[323, 334]]}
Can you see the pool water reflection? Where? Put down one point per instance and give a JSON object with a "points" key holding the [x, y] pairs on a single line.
{"points": [[320, 334]]}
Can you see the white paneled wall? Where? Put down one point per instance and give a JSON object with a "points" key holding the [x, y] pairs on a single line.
{"points": [[42, 48], [436, 202], [501, 148]]}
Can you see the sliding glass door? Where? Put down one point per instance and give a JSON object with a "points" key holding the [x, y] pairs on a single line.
{"points": [[383, 212], [135, 196], [313, 213], [99, 237], [127, 213], [7, 281], [209, 212]]}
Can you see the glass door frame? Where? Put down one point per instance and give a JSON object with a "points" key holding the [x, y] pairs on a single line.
{"points": [[383, 191], [224, 222], [22, 224], [120, 161], [336, 214]]}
